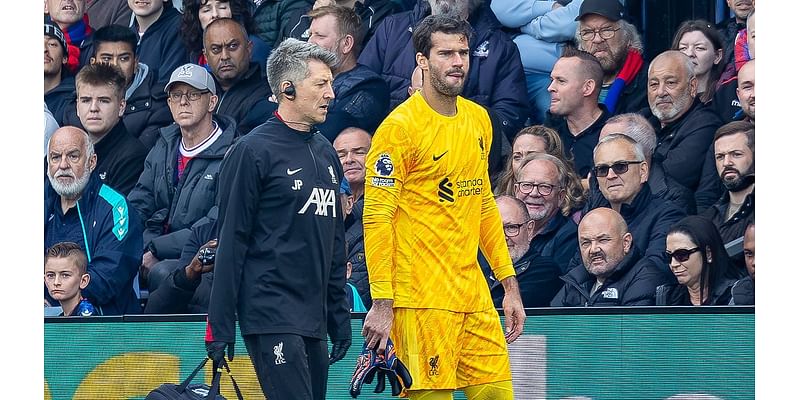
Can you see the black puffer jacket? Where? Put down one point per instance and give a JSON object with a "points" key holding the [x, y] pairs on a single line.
{"points": [[354, 236], [161, 47], [169, 206], [537, 276], [146, 111], [58, 98], [678, 295], [633, 283], [362, 100], [271, 17]]}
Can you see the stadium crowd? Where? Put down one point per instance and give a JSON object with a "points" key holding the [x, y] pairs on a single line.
{"points": [[620, 181]]}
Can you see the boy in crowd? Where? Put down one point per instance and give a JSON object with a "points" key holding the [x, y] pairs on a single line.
{"points": [[65, 276]]}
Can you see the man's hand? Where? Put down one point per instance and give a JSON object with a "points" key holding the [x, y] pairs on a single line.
{"points": [[216, 351], [195, 268], [378, 324], [148, 260], [513, 309], [338, 350]]}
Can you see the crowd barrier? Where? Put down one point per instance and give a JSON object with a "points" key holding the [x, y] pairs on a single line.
{"points": [[601, 354]]}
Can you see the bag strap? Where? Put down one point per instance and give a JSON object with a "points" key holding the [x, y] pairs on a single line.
{"points": [[188, 380], [214, 390]]}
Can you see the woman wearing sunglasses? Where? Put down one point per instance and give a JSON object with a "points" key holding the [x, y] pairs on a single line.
{"points": [[700, 263]]}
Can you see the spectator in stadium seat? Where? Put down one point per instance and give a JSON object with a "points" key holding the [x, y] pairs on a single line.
{"points": [[59, 84], [574, 112], [684, 126], [145, 102], [103, 13], [495, 81], [743, 291], [538, 277], [198, 14], [100, 106], [613, 272], [65, 277], [79, 208], [622, 173], [542, 183], [179, 183], [157, 23], [704, 46], [639, 129], [544, 28], [187, 288], [362, 97], [617, 45], [699, 261], [242, 88], [734, 153], [538, 139], [71, 18], [352, 145], [746, 91]]}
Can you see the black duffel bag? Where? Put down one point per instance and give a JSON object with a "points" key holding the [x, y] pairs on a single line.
{"points": [[195, 391]]}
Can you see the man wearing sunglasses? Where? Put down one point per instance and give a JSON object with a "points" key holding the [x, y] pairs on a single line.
{"points": [[622, 173], [179, 182], [613, 271]]}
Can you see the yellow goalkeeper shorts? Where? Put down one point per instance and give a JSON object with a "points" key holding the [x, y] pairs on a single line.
{"points": [[450, 350]]}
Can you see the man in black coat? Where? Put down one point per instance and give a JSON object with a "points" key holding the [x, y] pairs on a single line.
{"points": [[538, 277], [181, 173], [280, 263], [684, 126], [59, 85], [362, 96], [622, 173], [157, 24], [101, 104], [612, 271], [242, 90]]}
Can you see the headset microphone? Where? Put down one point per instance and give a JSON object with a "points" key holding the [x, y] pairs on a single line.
{"points": [[289, 91]]}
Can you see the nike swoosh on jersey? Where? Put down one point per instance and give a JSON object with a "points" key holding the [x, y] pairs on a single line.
{"points": [[437, 158], [292, 171]]}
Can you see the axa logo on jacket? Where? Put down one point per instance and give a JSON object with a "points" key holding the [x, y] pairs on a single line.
{"points": [[323, 200]]}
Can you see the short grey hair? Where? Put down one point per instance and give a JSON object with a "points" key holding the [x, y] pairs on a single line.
{"points": [[638, 152], [289, 62], [516, 202], [639, 129], [687, 63]]}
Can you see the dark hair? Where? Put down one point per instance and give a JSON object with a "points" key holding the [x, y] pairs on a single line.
{"points": [[192, 32], [705, 236], [732, 128], [68, 249], [114, 34], [100, 74], [590, 67], [348, 23], [716, 40], [437, 23]]}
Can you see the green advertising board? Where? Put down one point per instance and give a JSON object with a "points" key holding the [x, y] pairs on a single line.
{"points": [[600, 355]]}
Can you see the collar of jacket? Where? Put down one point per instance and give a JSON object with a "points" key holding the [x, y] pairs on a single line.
{"points": [[109, 142], [253, 72], [584, 279], [89, 194], [172, 133], [748, 204], [641, 201]]}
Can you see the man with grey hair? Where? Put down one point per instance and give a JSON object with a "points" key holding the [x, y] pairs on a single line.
{"points": [[280, 262], [616, 44], [637, 128], [622, 173], [684, 126], [79, 208], [538, 277]]}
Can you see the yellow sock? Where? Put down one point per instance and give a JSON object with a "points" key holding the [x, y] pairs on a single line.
{"points": [[490, 391]]}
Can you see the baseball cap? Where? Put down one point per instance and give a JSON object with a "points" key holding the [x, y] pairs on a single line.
{"points": [[611, 9], [194, 76], [54, 31]]}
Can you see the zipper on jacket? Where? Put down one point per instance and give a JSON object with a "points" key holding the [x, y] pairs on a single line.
{"points": [[314, 159]]}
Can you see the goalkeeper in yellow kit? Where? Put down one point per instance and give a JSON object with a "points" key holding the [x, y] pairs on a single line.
{"points": [[428, 207]]}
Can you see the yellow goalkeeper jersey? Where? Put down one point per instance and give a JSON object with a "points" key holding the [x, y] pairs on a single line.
{"points": [[428, 206]]}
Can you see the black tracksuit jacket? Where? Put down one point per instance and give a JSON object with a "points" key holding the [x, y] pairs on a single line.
{"points": [[280, 261]]}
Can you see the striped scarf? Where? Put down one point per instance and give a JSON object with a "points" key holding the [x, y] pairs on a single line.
{"points": [[633, 63], [75, 35]]}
